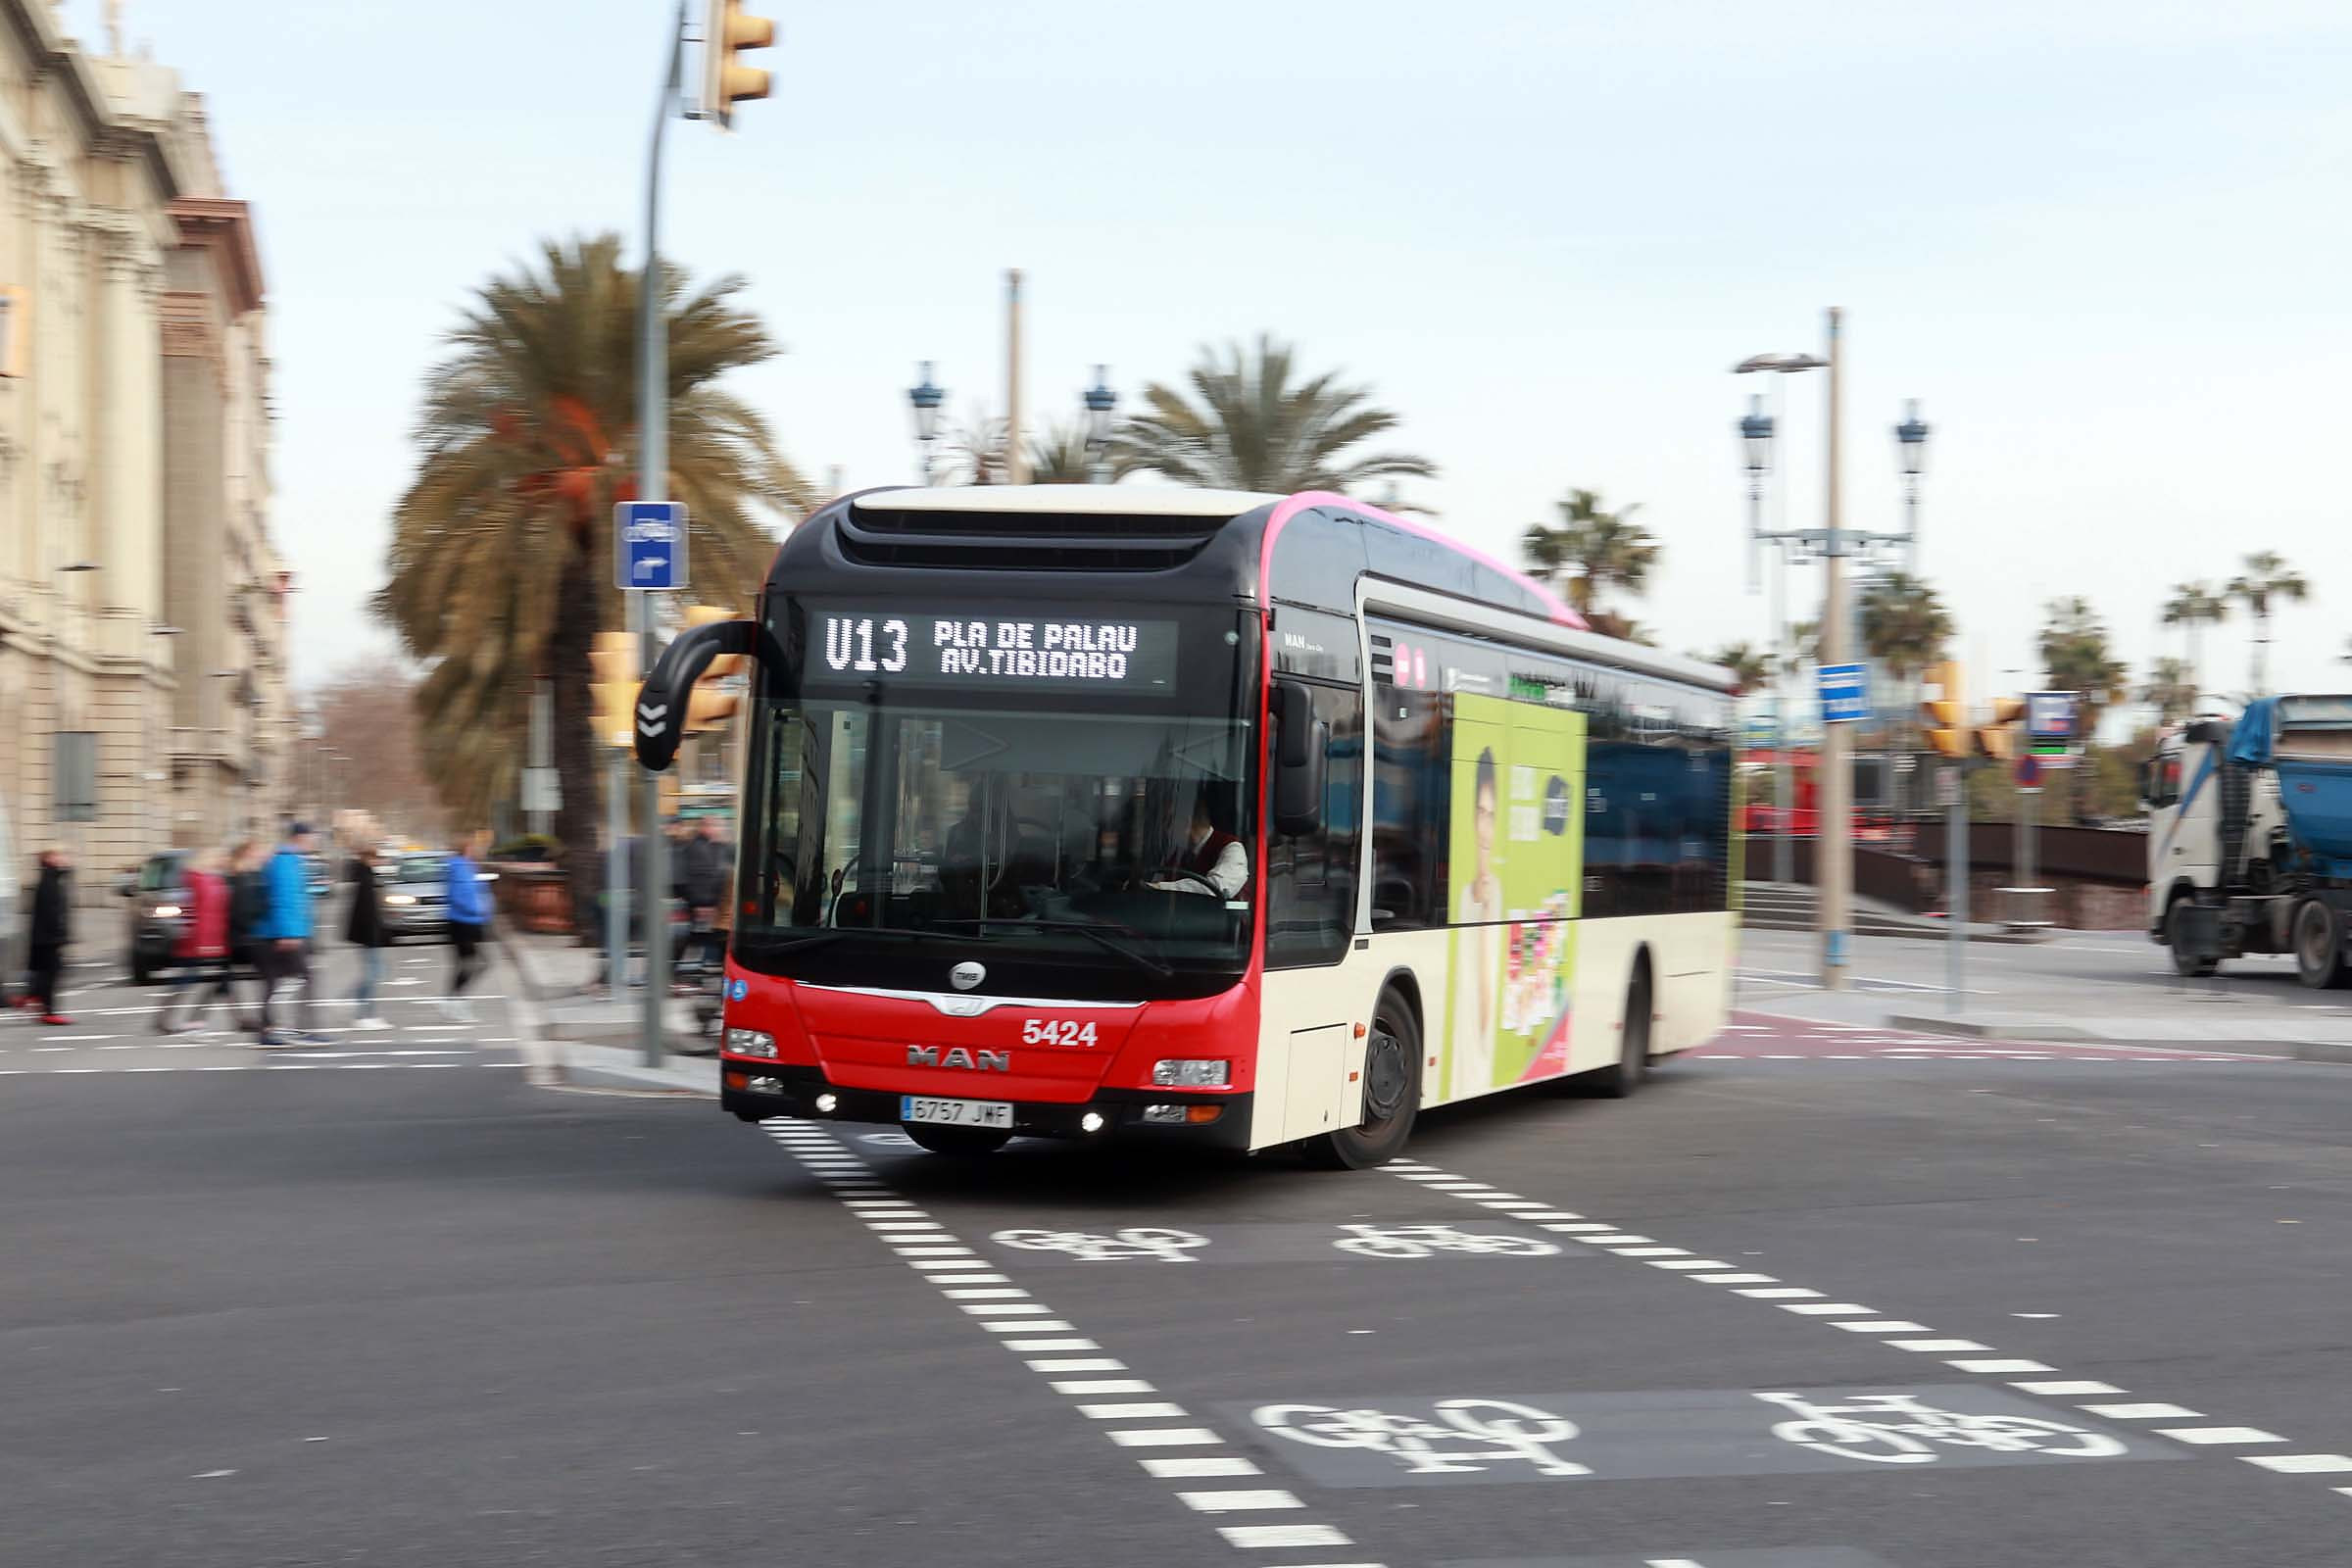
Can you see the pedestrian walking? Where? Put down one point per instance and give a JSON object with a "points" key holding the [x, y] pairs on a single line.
{"points": [[51, 929], [468, 918], [365, 930], [248, 902], [703, 863], [203, 947], [282, 939]]}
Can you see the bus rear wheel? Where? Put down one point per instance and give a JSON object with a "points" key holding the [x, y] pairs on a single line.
{"points": [[1625, 1075], [1391, 1094], [961, 1143]]}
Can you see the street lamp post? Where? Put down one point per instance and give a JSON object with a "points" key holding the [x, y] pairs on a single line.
{"points": [[925, 398], [1911, 454], [1100, 400], [1755, 435]]}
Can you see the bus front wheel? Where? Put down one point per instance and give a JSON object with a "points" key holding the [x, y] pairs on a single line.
{"points": [[1391, 1087]]}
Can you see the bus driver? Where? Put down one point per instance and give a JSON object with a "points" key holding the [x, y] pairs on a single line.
{"points": [[1215, 857]]}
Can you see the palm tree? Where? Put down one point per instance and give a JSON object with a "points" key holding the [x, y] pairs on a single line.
{"points": [[1904, 624], [1255, 426], [2194, 605], [1061, 454], [2267, 576], [2171, 687], [2075, 651], [527, 439], [1590, 550], [1750, 666], [976, 450]]}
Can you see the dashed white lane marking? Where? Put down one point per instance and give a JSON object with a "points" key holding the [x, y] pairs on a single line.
{"points": [[971, 1285], [1855, 1319]]}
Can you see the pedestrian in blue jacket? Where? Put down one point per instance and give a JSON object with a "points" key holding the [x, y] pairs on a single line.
{"points": [[282, 939], [468, 917]]}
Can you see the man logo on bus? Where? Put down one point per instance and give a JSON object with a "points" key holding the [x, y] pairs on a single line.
{"points": [[959, 1056]]}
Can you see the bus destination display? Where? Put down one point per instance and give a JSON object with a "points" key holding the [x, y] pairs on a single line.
{"points": [[996, 652]]}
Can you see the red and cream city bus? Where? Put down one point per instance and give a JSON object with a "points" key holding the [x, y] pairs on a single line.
{"points": [[1105, 812]]}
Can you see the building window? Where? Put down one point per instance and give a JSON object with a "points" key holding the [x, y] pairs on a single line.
{"points": [[76, 776]]}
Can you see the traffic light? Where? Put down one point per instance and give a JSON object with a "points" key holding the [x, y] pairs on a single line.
{"points": [[708, 707], [613, 685], [726, 82], [1997, 738], [1944, 716]]}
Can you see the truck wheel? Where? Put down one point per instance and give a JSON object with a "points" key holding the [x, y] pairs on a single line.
{"points": [[2176, 919], [1391, 1094], [2319, 945]]}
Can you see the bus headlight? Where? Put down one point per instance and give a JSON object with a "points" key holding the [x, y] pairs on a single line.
{"points": [[1192, 1073], [401, 898], [750, 1043]]}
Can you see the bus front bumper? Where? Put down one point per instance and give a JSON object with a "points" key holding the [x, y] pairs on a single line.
{"points": [[757, 1090]]}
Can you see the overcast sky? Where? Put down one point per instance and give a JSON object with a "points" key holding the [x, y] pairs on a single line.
{"points": [[2103, 243]]}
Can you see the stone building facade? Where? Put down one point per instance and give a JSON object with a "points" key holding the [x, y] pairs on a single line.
{"points": [[143, 696]]}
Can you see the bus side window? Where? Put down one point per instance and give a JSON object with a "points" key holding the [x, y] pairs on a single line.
{"points": [[1310, 877], [1410, 790]]}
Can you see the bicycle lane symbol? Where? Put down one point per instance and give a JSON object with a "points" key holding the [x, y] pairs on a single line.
{"points": [[1484, 1437]]}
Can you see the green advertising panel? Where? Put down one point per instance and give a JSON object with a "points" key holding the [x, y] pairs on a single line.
{"points": [[1516, 872]]}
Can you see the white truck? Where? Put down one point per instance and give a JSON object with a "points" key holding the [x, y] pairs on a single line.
{"points": [[2250, 837]]}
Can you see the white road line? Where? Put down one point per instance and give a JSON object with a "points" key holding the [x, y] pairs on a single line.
{"points": [[1655, 1252], [1735, 1279], [1278, 1536], [1998, 1365], [1078, 1363], [1239, 1503], [2301, 1464], [1777, 1292], [1050, 1344], [1164, 1438], [1882, 1326], [1077, 1386], [1187, 1467], [1138, 1411], [2142, 1413], [1828, 1309], [2208, 1436], [2064, 1387], [1935, 1346]]}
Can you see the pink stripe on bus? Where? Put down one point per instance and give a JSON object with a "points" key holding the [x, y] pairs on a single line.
{"points": [[1286, 510]]}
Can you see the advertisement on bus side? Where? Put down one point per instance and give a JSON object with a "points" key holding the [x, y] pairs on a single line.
{"points": [[1516, 853]]}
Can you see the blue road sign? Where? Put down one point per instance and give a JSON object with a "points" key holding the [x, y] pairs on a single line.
{"points": [[648, 545], [1844, 693]]}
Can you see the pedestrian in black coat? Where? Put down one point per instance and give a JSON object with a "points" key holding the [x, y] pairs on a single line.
{"points": [[51, 929]]}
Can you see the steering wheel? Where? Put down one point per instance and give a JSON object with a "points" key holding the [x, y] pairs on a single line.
{"points": [[1172, 872]]}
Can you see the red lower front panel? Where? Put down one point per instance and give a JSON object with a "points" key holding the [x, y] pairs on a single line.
{"points": [[986, 1048]]}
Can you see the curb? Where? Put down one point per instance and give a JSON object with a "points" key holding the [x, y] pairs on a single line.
{"points": [[2029, 1032], [557, 1061], [2021, 939]]}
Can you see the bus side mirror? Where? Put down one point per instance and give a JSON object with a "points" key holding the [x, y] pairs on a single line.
{"points": [[1302, 742], [663, 699]]}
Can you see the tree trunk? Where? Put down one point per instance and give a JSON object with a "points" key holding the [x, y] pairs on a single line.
{"points": [[578, 755]]}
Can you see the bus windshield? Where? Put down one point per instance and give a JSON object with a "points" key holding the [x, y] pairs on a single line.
{"points": [[1110, 838]]}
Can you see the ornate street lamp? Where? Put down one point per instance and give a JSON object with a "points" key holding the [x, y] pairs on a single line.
{"points": [[925, 399], [1100, 400]]}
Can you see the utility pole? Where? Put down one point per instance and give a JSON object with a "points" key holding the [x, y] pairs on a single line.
{"points": [[653, 484], [1017, 457], [1835, 843]]}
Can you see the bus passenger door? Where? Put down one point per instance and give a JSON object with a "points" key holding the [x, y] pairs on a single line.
{"points": [[1313, 997]]}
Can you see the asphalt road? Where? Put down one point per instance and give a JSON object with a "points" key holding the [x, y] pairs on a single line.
{"points": [[2043, 1306]]}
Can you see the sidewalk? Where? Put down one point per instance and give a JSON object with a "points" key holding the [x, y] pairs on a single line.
{"points": [[583, 1040], [2257, 1010]]}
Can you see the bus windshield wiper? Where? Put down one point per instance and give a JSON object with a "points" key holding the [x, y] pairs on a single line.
{"points": [[1104, 940]]}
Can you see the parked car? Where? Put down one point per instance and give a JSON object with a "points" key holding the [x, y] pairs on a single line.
{"points": [[159, 898], [415, 896]]}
